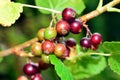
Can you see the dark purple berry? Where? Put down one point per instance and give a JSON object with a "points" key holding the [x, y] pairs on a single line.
{"points": [[85, 42], [62, 27], [96, 39], [30, 69], [36, 77], [68, 14], [76, 27], [71, 42], [42, 65], [66, 54]]}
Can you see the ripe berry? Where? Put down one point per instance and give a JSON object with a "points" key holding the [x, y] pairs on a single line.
{"points": [[22, 78], [68, 14], [60, 49], [96, 38], [36, 77], [40, 34], [76, 27], [62, 27], [71, 42], [48, 47], [85, 42], [36, 49], [42, 65], [50, 33], [30, 69]]}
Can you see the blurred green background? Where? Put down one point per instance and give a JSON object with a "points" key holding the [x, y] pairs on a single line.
{"points": [[31, 20]]}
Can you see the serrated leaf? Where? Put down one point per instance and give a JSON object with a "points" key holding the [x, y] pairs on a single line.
{"points": [[78, 5], [60, 68], [113, 47], [87, 67], [9, 12], [114, 63]]}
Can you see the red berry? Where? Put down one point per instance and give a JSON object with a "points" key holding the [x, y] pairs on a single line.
{"points": [[85, 42], [36, 49], [71, 42], [76, 27], [36, 77], [68, 14], [60, 49], [40, 34], [48, 47], [30, 69], [62, 27], [42, 65], [50, 33], [66, 54], [96, 39]]}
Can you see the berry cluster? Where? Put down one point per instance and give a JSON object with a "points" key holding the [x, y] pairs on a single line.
{"points": [[52, 41]]}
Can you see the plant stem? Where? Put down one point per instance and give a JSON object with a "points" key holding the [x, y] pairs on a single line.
{"points": [[42, 8], [18, 47], [84, 18], [100, 54], [98, 11]]}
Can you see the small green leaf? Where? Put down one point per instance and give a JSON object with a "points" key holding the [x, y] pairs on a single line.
{"points": [[114, 63], [87, 66], [9, 12], [113, 47], [60, 68], [78, 5]]}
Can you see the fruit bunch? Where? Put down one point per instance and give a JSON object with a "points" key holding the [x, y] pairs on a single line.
{"points": [[52, 41]]}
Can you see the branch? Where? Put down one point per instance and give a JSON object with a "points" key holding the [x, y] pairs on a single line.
{"points": [[98, 11], [84, 18]]}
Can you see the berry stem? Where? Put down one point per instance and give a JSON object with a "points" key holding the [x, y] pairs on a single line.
{"points": [[42, 8]]}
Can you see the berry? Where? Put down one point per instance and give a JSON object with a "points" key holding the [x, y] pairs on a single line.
{"points": [[42, 65], [36, 49], [71, 42], [76, 27], [36, 77], [85, 42], [68, 14], [48, 47], [50, 33], [96, 39], [30, 69], [60, 49], [45, 58], [40, 34], [22, 78], [66, 54], [62, 27]]}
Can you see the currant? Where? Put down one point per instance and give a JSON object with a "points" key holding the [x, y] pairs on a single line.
{"points": [[40, 34], [50, 33], [85, 42], [30, 69], [96, 39], [68, 14], [62, 27], [76, 27], [71, 42], [36, 77], [48, 47]]}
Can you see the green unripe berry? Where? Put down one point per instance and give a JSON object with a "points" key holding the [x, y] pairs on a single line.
{"points": [[45, 58], [36, 49], [50, 33]]}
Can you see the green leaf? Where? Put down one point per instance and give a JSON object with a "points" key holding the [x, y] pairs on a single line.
{"points": [[87, 66], [60, 68], [9, 12], [114, 63], [78, 5], [113, 47]]}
